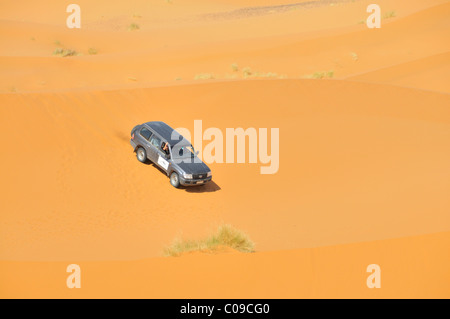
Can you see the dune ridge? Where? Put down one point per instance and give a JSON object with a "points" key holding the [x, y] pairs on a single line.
{"points": [[95, 190], [299, 45], [325, 272]]}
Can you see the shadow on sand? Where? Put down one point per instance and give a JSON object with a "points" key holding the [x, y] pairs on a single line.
{"points": [[204, 188]]}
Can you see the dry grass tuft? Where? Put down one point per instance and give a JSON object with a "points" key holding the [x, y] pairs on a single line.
{"points": [[133, 26], [204, 76], [226, 236], [65, 52]]}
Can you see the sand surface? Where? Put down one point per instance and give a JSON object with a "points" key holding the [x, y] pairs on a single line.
{"points": [[364, 171]]}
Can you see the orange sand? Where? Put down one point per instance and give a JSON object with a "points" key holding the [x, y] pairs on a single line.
{"points": [[412, 267], [364, 157]]}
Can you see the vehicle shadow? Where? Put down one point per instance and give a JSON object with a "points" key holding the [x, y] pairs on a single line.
{"points": [[150, 163], [122, 136], [205, 188]]}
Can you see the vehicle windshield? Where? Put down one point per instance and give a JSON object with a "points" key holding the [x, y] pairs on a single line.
{"points": [[183, 151]]}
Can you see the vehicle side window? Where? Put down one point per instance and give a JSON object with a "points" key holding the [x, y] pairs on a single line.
{"points": [[155, 141], [161, 148], [145, 133]]}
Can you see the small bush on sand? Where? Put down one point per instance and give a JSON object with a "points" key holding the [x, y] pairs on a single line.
{"points": [[92, 51], [226, 236], [268, 75], [64, 52], [235, 67], [133, 26], [321, 75], [388, 15], [204, 76], [247, 72]]}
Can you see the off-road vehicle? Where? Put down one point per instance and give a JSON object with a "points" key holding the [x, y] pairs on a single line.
{"points": [[162, 145]]}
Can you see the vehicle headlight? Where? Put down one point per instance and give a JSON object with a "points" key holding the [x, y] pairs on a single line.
{"points": [[209, 174], [187, 176]]}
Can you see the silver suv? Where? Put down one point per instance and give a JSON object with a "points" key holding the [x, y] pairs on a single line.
{"points": [[161, 144]]}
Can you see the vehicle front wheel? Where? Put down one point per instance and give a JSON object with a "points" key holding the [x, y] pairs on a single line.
{"points": [[175, 180], [141, 155]]}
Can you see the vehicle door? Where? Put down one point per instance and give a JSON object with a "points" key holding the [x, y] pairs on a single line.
{"points": [[162, 158], [144, 140], [153, 145]]}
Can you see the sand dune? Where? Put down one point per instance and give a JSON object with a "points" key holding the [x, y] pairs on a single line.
{"points": [[298, 45], [351, 152], [428, 73], [326, 272], [363, 152]]}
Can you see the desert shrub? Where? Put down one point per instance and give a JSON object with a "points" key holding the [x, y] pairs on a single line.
{"points": [[225, 236], [204, 76], [247, 71], [388, 15], [321, 75], [64, 52], [133, 26]]}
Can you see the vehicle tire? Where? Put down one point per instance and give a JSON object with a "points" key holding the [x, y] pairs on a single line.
{"points": [[141, 154], [175, 179]]}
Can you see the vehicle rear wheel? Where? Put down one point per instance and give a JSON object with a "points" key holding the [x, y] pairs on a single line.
{"points": [[175, 180], [141, 155]]}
